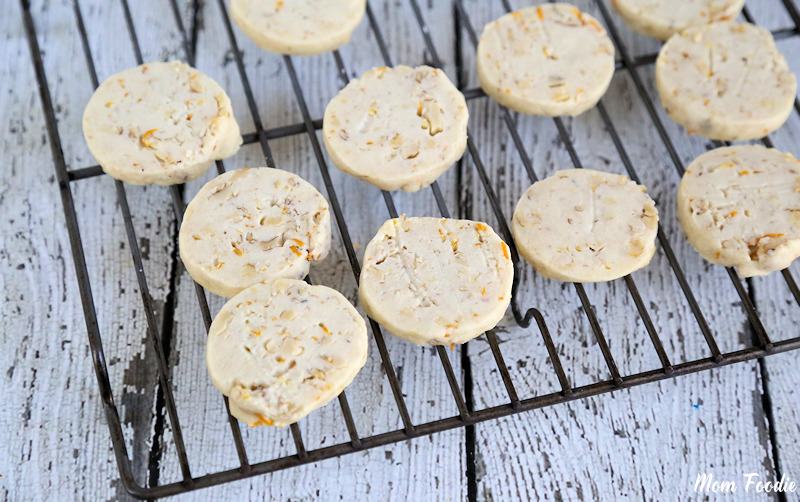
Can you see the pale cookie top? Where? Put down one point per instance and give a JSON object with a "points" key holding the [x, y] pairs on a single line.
{"points": [[299, 27], [249, 225], [397, 128], [663, 18], [283, 348], [547, 60], [740, 207], [436, 281], [580, 225], [725, 81], [162, 123]]}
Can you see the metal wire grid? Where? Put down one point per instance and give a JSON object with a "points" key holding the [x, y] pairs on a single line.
{"points": [[467, 416]]}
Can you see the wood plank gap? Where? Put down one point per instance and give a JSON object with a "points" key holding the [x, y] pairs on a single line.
{"points": [[197, 25], [464, 210], [766, 400], [167, 328]]}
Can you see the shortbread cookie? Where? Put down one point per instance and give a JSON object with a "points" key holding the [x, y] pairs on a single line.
{"points": [[739, 206], [299, 27], [725, 81], [397, 128], [547, 60], [249, 225], [283, 348], [581, 225], [661, 19], [162, 123], [436, 281]]}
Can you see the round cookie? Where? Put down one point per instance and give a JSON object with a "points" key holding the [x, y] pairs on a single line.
{"points": [[580, 225], [436, 281], [162, 123], [548, 60], [298, 27], [249, 225], [739, 206], [725, 81], [283, 348], [661, 19], [397, 128]]}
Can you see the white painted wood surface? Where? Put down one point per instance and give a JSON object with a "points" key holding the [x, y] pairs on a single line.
{"points": [[646, 443]]}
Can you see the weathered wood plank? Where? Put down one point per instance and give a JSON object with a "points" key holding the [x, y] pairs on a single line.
{"points": [[774, 299], [69, 424], [56, 437], [630, 442], [431, 467]]}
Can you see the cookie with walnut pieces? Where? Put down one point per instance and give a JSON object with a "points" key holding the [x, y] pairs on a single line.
{"points": [[298, 27], [548, 60], [661, 19], [253, 224], [436, 281], [581, 225], [739, 206], [725, 81], [397, 128], [162, 123], [283, 348]]}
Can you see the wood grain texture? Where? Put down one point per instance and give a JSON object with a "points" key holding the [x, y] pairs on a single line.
{"points": [[648, 442], [643, 443], [61, 410], [782, 379], [427, 467]]}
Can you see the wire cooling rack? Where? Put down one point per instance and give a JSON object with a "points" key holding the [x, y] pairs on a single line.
{"points": [[467, 415]]}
